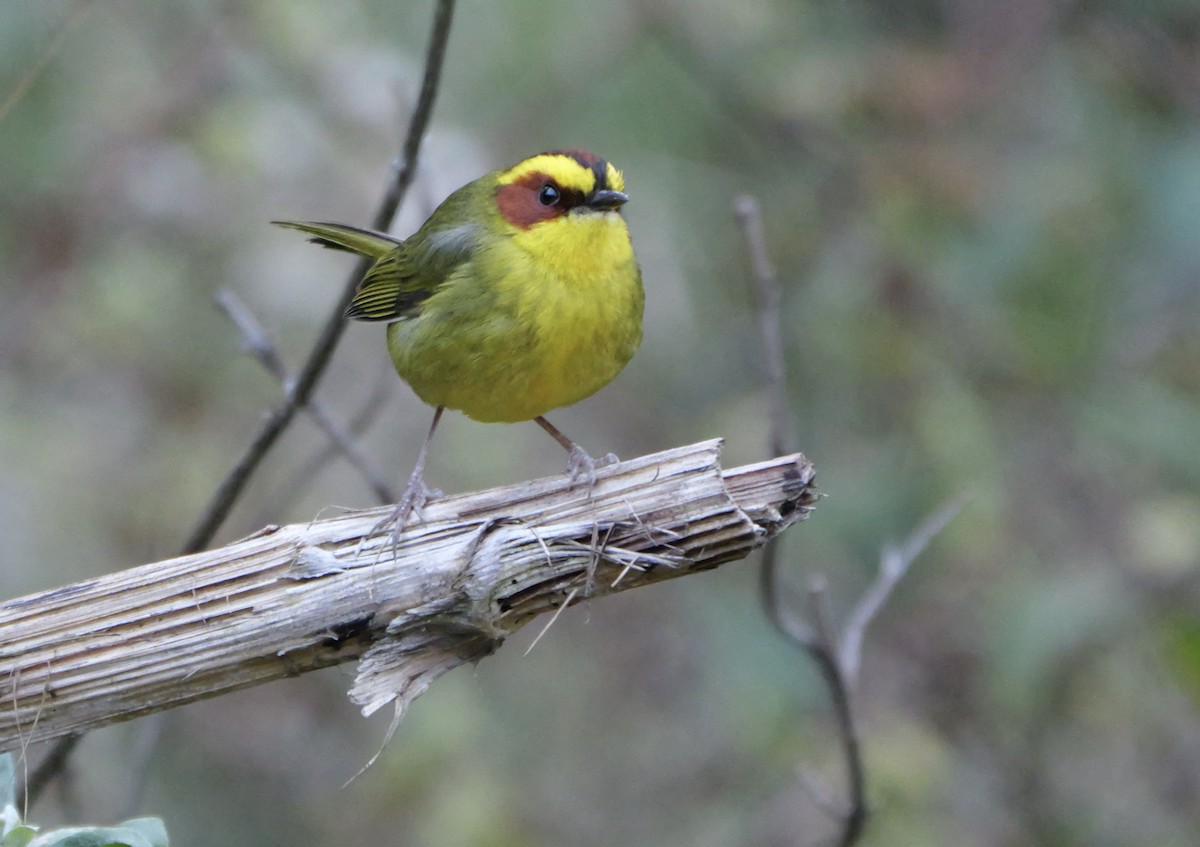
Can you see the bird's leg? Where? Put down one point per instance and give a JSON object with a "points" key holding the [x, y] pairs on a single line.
{"points": [[415, 493], [579, 463]]}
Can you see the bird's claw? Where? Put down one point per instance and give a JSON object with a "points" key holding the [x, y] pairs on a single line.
{"points": [[410, 505], [582, 465]]}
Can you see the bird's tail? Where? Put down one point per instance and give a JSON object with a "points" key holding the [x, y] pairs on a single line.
{"points": [[365, 242]]}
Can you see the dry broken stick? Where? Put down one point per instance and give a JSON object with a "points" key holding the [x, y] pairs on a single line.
{"points": [[307, 596]]}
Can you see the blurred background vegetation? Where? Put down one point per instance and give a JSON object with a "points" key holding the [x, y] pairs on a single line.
{"points": [[986, 217]]}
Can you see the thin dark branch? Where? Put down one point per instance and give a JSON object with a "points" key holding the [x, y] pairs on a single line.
{"points": [[322, 351], [770, 591], [770, 307], [257, 342], [839, 665], [818, 638], [49, 768], [823, 651], [749, 216], [295, 485], [233, 485]]}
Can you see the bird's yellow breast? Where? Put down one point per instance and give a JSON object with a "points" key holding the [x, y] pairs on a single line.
{"points": [[537, 319]]}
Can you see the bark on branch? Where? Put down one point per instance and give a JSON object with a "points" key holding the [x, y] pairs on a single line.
{"points": [[293, 599]]}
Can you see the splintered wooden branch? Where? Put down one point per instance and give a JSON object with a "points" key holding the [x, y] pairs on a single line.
{"points": [[296, 598]]}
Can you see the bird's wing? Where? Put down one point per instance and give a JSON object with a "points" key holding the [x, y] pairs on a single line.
{"points": [[405, 272]]}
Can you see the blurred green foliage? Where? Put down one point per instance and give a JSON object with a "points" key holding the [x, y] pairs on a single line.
{"points": [[142, 832], [987, 221]]}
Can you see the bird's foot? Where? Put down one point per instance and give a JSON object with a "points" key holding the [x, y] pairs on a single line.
{"points": [[581, 465], [412, 500]]}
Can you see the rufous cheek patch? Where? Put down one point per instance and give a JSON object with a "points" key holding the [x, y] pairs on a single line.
{"points": [[519, 205]]}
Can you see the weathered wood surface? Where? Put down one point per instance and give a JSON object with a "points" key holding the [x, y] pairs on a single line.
{"points": [[293, 599]]}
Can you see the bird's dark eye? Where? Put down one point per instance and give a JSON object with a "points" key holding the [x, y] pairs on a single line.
{"points": [[548, 195]]}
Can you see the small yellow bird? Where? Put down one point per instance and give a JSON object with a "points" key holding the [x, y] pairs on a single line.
{"points": [[519, 295]]}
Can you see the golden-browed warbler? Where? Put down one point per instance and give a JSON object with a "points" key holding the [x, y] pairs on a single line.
{"points": [[519, 295]]}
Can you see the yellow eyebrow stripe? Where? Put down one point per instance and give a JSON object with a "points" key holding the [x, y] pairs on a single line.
{"points": [[565, 171], [562, 169]]}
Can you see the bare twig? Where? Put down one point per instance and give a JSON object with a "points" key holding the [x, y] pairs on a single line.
{"points": [[302, 476], [233, 485], [818, 638], [769, 309], [817, 635], [894, 562], [822, 648], [258, 344], [749, 216], [839, 665]]}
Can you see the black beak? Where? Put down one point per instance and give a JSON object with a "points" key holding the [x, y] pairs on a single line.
{"points": [[604, 200]]}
